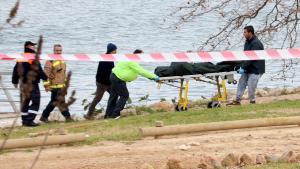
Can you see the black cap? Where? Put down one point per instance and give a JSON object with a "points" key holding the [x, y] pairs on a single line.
{"points": [[29, 43]]}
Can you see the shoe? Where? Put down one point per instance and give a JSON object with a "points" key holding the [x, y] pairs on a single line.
{"points": [[44, 119], [30, 124], [69, 119], [253, 102], [89, 117], [234, 103]]}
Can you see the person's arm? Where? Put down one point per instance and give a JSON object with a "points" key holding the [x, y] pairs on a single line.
{"points": [[15, 75], [141, 71], [43, 75]]}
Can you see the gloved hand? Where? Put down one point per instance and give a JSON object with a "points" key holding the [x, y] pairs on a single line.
{"points": [[241, 71], [156, 78]]}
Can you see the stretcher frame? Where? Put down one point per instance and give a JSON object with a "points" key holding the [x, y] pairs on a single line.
{"points": [[218, 79]]}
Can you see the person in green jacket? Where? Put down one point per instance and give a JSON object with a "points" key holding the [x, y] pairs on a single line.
{"points": [[124, 72]]}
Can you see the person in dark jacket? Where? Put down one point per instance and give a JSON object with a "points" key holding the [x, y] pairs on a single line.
{"points": [[29, 74], [102, 81], [252, 70]]}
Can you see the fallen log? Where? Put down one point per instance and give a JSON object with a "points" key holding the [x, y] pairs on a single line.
{"points": [[215, 126], [39, 141]]}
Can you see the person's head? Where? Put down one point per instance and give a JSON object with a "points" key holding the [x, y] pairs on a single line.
{"points": [[29, 47], [138, 51], [57, 49], [248, 32], [111, 48]]}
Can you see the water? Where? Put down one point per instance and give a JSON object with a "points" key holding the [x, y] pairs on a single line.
{"points": [[87, 26]]}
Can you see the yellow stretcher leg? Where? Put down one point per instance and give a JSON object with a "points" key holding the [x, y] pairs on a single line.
{"points": [[222, 95], [183, 96]]}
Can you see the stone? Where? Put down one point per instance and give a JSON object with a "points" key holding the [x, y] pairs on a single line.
{"points": [[260, 159], [194, 144], [147, 166], [230, 160], [207, 162], [298, 158], [261, 93], [162, 106], [288, 157], [128, 112], [271, 158], [159, 123], [245, 159], [174, 164], [184, 147]]}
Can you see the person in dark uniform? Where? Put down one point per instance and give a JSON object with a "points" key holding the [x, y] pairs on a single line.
{"points": [[102, 81], [28, 74]]}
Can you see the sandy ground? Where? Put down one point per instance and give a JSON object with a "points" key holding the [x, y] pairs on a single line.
{"points": [[156, 152]]}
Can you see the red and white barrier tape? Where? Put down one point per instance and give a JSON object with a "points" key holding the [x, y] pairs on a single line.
{"points": [[270, 54]]}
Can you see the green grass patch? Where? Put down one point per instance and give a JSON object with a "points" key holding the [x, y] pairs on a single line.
{"points": [[127, 129], [276, 166]]}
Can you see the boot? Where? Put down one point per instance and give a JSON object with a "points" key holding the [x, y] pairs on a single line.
{"points": [[44, 119], [234, 103], [30, 124]]}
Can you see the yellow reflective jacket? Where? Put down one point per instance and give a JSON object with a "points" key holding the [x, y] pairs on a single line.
{"points": [[56, 72]]}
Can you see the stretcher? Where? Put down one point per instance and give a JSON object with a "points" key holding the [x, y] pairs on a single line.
{"points": [[218, 79]]}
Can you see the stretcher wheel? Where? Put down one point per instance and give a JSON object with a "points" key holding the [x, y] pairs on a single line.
{"points": [[177, 108], [213, 104], [234, 82], [184, 109]]}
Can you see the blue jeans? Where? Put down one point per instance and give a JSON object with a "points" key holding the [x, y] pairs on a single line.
{"points": [[250, 80]]}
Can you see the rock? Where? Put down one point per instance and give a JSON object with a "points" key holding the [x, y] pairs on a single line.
{"points": [[174, 164], [261, 93], [207, 162], [184, 147], [128, 112], [230, 160], [147, 166], [162, 106], [159, 123], [275, 92], [260, 159], [297, 90], [288, 156], [194, 144], [271, 158], [298, 158], [245, 159]]}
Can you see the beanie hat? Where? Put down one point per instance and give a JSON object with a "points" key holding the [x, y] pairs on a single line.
{"points": [[110, 48]]}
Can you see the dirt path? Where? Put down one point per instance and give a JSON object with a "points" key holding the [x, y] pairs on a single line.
{"points": [[132, 155]]}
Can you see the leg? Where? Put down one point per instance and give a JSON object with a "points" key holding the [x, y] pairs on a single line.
{"points": [[111, 104], [99, 94], [252, 85], [241, 87], [50, 107], [121, 89], [24, 109], [35, 102]]}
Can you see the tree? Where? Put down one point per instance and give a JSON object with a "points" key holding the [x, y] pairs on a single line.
{"points": [[275, 20], [11, 18], [276, 23]]}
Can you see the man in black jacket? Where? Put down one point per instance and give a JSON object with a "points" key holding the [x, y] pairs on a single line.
{"points": [[102, 81], [251, 70], [29, 74]]}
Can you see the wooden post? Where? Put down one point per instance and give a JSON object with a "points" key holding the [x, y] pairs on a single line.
{"points": [[215, 126], [38, 141]]}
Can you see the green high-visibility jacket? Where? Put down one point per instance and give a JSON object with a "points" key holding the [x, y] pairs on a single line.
{"points": [[128, 71]]}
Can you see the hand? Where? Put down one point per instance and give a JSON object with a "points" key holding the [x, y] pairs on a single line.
{"points": [[241, 71], [47, 88], [156, 79], [16, 85]]}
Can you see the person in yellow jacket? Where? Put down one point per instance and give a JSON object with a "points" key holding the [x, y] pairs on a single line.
{"points": [[124, 72], [56, 72]]}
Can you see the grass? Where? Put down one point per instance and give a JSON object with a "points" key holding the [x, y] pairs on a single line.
{"points": [[127, 129], [276, 166]]}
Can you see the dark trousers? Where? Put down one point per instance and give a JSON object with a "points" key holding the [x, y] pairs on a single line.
{"points": [[101, 89], [55, 93], [118, 97], [29, 111]]}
